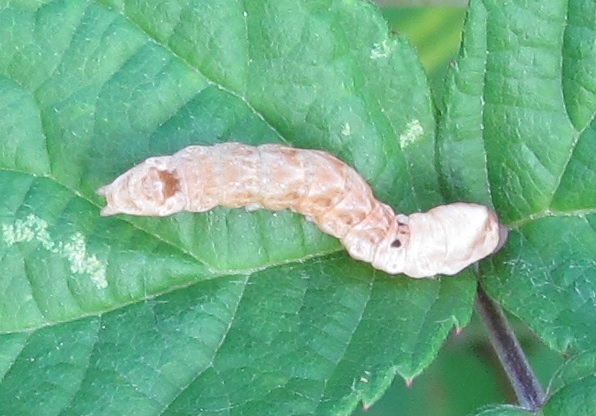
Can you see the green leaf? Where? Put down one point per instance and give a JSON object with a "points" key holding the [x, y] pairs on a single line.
{"points": [[573, 391], [519, 134], [459, 380], [216, 313], [505, 411], [574, 388], [465, 376]]}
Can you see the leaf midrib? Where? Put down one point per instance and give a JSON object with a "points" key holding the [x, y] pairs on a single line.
{"points": [[548, 213]]}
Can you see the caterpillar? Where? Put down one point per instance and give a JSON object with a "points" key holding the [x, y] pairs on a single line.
{"points": [[319, 186]]}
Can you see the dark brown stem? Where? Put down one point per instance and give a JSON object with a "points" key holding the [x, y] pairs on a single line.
{"points": [[528, 390]]}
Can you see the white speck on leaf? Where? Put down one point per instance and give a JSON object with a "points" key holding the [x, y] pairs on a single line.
{"points": [[365, 378], [381, 50], [74, 250], [346, 129], [414, 131]]}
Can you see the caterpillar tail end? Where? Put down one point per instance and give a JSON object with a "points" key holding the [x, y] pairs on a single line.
{"points": [[108, 209]]}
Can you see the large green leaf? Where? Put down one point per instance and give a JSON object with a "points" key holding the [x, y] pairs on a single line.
{"points": [[226, 312], [521, 104]]}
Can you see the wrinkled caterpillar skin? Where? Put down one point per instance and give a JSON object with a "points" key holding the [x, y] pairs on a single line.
{"points": [[319, 186]]}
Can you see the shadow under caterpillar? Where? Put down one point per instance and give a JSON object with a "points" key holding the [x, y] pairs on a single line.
{"points": [[319, 186]]}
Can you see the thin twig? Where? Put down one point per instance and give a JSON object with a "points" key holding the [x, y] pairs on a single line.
{"points": [[528, 390]]}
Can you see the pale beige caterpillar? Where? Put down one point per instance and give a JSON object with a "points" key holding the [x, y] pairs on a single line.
{"points": [[319, 186]]}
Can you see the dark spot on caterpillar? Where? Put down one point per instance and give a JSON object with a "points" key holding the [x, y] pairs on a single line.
{"points": [[402, 228], [396, 244], [171, 185]]}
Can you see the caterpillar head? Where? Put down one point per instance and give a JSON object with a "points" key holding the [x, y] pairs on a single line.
{"points": [[451, 237], [150, 188]]}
